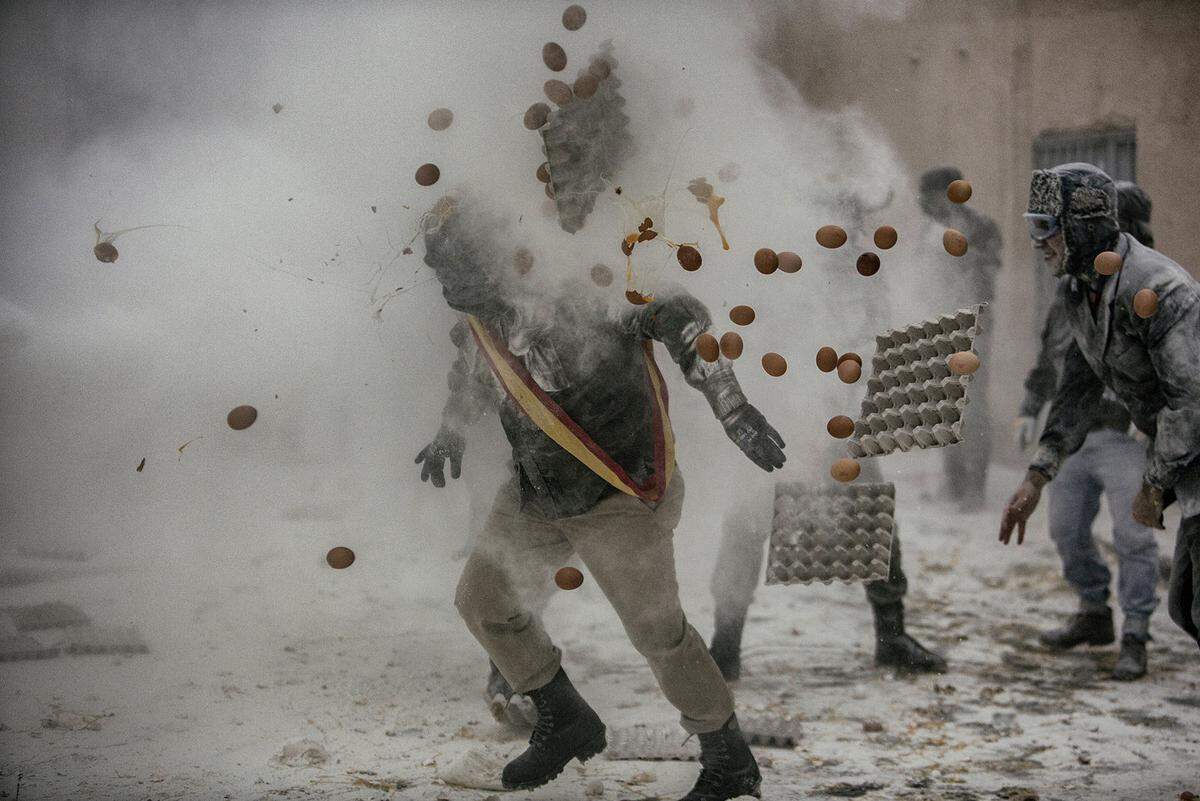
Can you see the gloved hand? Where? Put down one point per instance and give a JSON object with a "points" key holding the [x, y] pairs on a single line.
{"points": [[432, 458], [1024, 431], [751, 432], [1148, 506], [1020, 507]]}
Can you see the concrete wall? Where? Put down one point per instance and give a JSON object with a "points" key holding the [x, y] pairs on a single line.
{"points": [[973, 83]]}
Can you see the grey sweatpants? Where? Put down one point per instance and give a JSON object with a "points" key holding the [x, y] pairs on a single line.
{"points": [[1110, 462], [628, 551]]}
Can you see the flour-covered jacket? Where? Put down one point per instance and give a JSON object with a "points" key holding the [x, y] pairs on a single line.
{"points": [[1152, 366], [592, 364]]}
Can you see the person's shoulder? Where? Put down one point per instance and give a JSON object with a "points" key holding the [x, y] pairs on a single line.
{"points": [[1146, 268]]}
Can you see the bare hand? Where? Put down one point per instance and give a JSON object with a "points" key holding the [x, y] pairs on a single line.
{"points": [[1148, 507], [1019, 509]]}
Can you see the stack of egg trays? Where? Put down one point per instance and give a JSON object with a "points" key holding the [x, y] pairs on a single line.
{"points": [[585, 142], [831, 532], [912, 399]]}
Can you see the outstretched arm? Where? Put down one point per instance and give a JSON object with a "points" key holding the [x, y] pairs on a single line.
{"points": [[676, 320]]}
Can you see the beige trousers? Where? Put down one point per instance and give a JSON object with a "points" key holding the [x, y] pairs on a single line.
{"points": [[627, 549]]}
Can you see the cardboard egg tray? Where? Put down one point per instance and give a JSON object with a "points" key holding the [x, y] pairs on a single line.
{"points": [[585, 142], [104, 640], [52, 615], [670, 743], [831, 532], [913, 401]]}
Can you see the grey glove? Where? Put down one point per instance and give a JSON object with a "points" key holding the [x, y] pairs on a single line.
{"points": [[751, 432], [432, 458]]}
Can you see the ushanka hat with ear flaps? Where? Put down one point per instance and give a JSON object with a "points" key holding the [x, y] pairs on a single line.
{"points": [[1083, 201]]}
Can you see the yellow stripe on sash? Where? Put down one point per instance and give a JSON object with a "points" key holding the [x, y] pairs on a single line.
{"points": [[527, 398]]}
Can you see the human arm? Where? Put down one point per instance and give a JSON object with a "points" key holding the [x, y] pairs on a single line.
{"points": [[676, 320]]}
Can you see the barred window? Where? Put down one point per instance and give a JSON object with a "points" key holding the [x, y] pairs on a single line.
{"points": [[1112, 150]]}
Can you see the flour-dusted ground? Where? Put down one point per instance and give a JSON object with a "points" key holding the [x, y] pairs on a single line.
{"points": [[373, 669]]}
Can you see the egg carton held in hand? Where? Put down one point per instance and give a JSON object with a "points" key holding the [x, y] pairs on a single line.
{"points": [[586, 141], [913, 400], [831, 532]]}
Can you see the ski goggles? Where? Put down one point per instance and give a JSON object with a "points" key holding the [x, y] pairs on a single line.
{"points": [[1042, 226]]}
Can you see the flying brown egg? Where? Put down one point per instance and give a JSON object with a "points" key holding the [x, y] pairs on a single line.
{"points": [[963, 363], [867, 264], [954, 242], [522, 261], [845, 470], [831, 236], [554, 56], [141, 465], [440, 119], [850, 356], [602, 275], [105, 252], [827, 359], [600, 68], [543, 172], [959, 191], [789, 262], [1108, 262], [731, 344], [428, 174], [636, 298], [558, 92], [568, 578], [1145, 303], [840, 426], [689, 258], [708, 347], [766, 261], [627, 246], [574, 17], [741, 315], [241, 417], [340, 558], [586, 85], [885, 237], [849, 371], [536, 116], [774, 364]]}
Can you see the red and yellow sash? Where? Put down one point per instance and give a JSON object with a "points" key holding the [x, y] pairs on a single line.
{"points": [[555, 423]]}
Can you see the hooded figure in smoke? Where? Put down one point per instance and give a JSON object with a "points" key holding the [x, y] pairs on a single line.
{"points": [[1149, 360], [585, 410], [1109, 463], [970, 279]]}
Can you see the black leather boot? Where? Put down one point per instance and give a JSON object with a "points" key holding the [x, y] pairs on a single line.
{"points": [[1131, 664], [727, 768], [894, 648], [1091, 627], [726, 647], [567, 728]]}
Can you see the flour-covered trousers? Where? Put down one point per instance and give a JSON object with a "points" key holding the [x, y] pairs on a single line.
{"points": [[627, 550], [1109, 463]]}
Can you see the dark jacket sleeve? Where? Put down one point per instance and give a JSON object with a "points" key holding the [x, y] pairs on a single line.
{"points": [[1043, 378], [472, 391], [676, 320], [1174, 346], [1073, 413]]}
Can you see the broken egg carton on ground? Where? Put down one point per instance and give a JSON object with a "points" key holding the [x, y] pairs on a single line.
{"points": [[831, 532], [913, 400], [586, 141], [669, 743]]}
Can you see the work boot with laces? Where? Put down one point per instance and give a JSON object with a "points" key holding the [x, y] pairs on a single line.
{"points": [[567, 728], [727, 768], [1131, 664], [1090, 626]]}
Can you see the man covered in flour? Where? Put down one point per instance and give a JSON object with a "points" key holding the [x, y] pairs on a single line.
{"points": [[585, 410]]}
